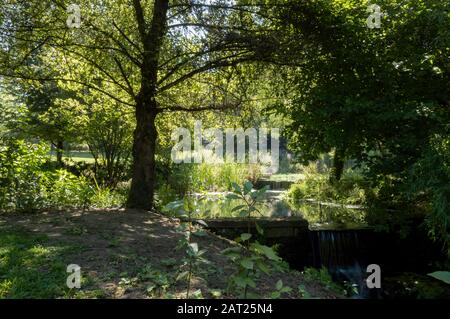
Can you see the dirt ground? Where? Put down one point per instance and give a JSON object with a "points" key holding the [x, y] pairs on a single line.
{"points": [[115, 248]]}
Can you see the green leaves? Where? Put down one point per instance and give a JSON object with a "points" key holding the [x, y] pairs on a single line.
{"points": [[182, 275], [232, 196], [266, 251], [303, 292], [215, 293], [247, 187], [238, 207], [247, 263], [280, 289], [248, 197], [388, 133], [262, 266], [259, 229], [194, 247], [250, 262], [194, 254], [25, 184], [441, 275], [176, 207], [279, 284], [254, 257], [202, 223], [232, 252], [259, 194], [236, 188], [243, 282], [245, 236], [244, 190]]}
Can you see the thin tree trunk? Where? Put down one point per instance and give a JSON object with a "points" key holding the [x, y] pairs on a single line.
{"points": [[59, 152], [338, 165]]}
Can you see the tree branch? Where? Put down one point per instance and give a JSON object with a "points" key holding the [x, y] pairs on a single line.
{"points": [[54, 79], [223, 62], [140, 19]]}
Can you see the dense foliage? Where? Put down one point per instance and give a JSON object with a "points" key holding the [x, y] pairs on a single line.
{"points": [[134, 71], [379, 96]]}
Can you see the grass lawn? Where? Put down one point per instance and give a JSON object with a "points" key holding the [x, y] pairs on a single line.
{"points": [[80, 156], [76, 156], [32, 267], [122, 254]]}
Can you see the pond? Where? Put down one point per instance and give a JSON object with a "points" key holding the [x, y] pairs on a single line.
{"points": [[337, 237], [319, 215]]}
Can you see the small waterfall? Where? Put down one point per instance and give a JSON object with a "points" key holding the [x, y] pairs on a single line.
{"points": [[336, 249], [344, 255]]}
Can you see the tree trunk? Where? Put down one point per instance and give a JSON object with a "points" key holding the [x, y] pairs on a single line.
{"points": [[338, 165], [144, 148], [145, 134], [59, 152]]}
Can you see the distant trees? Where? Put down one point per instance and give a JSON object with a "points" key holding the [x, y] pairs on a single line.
{"points": [[107, 128], [46, 120]]}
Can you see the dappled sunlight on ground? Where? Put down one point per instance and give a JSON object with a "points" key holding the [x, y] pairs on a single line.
{"points": [[115, 249]]}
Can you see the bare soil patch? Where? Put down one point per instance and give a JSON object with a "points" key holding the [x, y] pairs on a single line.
{"points": [[114, 248]]}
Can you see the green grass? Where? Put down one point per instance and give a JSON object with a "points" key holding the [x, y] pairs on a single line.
{"points": [[79, 156], [29, 267], [76, 156]]}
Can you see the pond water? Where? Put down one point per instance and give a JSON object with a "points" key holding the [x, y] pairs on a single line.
{"points": [[318, 215], [334, 232], [339, 239]]}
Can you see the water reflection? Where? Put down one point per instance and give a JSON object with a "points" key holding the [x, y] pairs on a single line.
{"points": [[318, 215]]}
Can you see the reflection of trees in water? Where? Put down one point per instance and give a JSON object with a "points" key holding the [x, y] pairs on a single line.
{"points": [[216, 206], [320, 214]]}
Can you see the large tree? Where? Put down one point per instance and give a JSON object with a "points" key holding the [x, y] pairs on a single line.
{"points": [[379, 95], [138, 53]]}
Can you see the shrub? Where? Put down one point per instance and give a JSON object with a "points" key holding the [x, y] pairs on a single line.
{"points": [[21, 178], [165, 195], [64, 189], [108, 130], [322, 276], [29, 183], [251, 258], [104, 197], [210, 177], [351, 189]]}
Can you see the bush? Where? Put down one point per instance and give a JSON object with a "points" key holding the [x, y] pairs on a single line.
{"points": [[165, 195], [351, 189], [208, 177], [29, 183], [104, 197], [64, 189], [420, 195], [108, 130], [322, 276], [22, 183]]}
